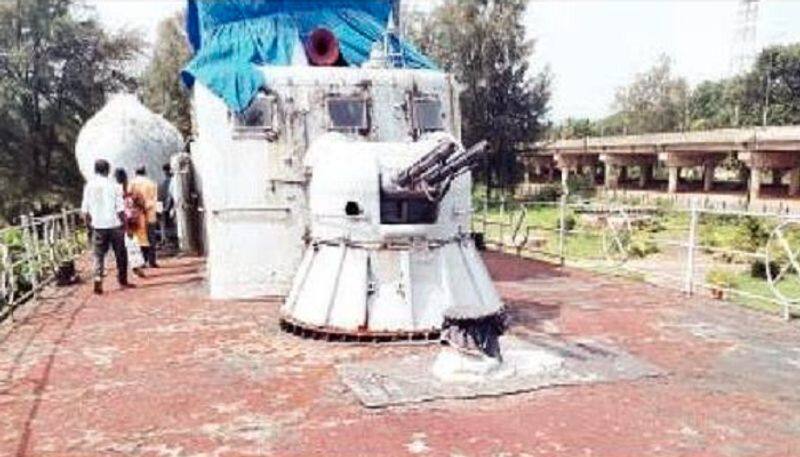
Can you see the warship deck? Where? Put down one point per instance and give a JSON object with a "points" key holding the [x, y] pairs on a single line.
{"points": [[163, 371]]}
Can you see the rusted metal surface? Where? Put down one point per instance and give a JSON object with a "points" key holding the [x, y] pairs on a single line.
{"points": [[162, 371], [344, 336]]}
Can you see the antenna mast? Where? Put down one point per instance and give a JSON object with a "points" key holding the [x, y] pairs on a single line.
{"points": [[745, 39]]}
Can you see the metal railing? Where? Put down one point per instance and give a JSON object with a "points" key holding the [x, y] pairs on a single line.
{"points": [[666, 246], [32, 252]]}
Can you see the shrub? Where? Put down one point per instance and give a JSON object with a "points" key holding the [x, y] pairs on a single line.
{"points": [[722, 278], [758, 268], [549, 193], [641, 247], [570, 222]]}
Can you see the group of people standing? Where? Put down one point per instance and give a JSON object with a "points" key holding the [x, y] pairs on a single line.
{"points": [[123, 216]]}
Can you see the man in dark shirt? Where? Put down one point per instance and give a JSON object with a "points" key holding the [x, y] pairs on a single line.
{"points": [[167, 204]]}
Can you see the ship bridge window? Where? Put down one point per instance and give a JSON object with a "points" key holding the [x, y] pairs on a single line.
{"points": [[258, 121], [427, 114], [347, 114]]}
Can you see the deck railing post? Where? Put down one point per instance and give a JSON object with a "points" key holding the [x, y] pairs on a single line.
{"points": [[562, 220], [485, 216], [5, 266], [36, 243], [67, 232], [503, 223], [691, 247], [501, 242], [28, 242]]}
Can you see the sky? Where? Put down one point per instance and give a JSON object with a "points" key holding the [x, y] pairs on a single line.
{"points": [[592, 47]]}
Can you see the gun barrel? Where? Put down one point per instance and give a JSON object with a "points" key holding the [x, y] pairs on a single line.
{"points": [[444, 162], [456, 165], [440, 153]]}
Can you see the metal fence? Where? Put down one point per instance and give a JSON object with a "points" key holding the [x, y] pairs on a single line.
{"points": [[32, 252], [747, 257]]}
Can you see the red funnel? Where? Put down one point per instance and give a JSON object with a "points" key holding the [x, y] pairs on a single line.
{"points": [[322, 47]]}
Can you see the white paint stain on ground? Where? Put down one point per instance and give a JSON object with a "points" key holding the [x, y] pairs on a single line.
{"points": [[101, 356], [417, 445]]}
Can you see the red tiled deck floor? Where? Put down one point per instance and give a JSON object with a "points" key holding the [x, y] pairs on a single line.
{"points": [[162, 371]]}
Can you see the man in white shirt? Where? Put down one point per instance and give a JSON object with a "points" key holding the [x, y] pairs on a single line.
{"points": [[104, 210]]}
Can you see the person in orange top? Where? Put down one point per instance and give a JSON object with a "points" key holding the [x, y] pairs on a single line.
{"points": [[148, 190]]}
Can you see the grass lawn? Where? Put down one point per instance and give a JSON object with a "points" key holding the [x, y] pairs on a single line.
{"points": [[584, 246], [789, 287]]}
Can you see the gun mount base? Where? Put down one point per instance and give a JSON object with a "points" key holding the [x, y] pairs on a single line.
{"points": [[344, 336]]}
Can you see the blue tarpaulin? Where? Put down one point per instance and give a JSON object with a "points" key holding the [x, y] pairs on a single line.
{"points": [[232, 38]]}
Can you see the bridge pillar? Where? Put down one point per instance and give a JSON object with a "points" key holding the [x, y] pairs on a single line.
{"points": [[777, 176], [611, 178], [692, 158], [755, 183], [591, 172], [674, 175], [760, 161], [645, 175], [708, 177], [617, 165], [575, 162], [794, 182]]}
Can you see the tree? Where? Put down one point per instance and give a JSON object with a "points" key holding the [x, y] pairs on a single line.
{"points": [[163, 91], [482, 42], [656, 101], [709, 107], [56, 67], [575, 128], [773, 86]]}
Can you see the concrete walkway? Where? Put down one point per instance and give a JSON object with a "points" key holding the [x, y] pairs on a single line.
{"points": [[162, 371]]}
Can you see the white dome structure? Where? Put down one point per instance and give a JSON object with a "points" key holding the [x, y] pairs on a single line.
{"points": [[127, 135]]}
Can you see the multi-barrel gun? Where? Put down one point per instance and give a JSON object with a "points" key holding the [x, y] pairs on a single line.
{"points": [[433, 173]]}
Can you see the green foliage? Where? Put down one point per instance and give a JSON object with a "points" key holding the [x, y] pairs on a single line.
{"points": [[656, 101], [163, 91], [12, 239], [547, 193], [722, 278], [580, 184], [713, 105], [773, 82], [752, 234], [575, 129], [614, 124], [758, 268], [772, 85], [642, 247], [482, 42], [64, 249], [761, 288], [56, 67], [746, 234], [569, 222]]}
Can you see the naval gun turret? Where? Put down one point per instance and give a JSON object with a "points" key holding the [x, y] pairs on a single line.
{"points": [[328, 159], [389, 252]]}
